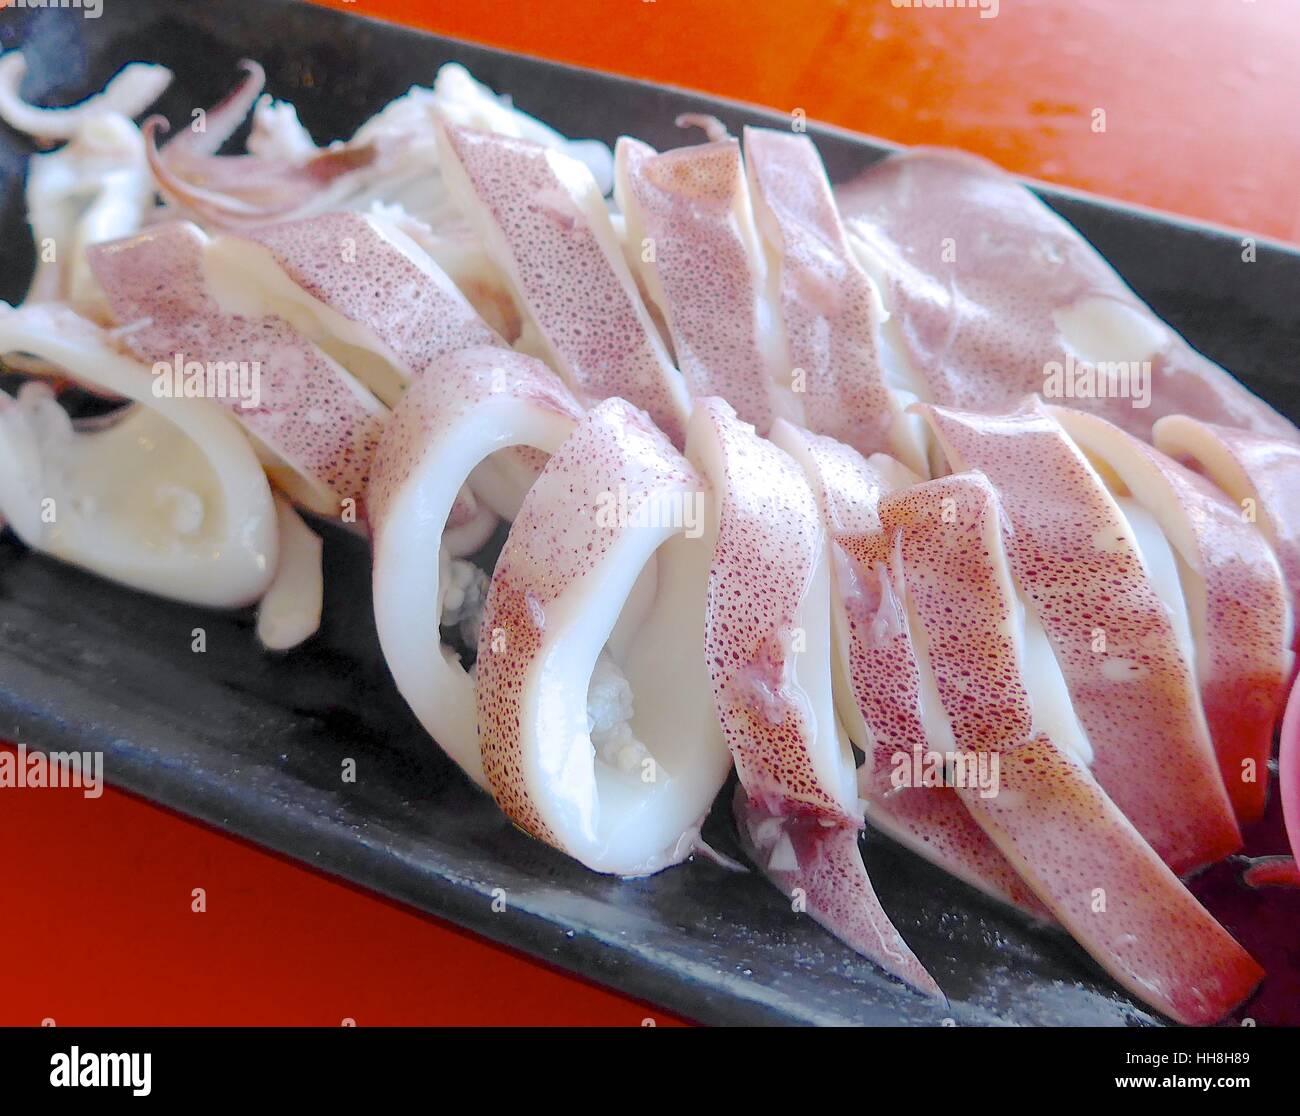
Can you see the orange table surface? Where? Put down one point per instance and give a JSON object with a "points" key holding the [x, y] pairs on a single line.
{"points": [[1200, 98]]}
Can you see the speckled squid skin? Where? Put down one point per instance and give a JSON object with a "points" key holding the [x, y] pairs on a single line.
{"points": [[977, 271], [1048, 815], [312, 413], [1243, 666], [343, 260], [769, 543], [463, 381], [885, 678], [1074, 558], [582, 297], [827, 302], [557, 540], [1267, 472], [686, 203], [829, 876], [1114, 895]]}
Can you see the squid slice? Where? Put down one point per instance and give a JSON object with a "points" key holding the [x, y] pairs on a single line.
{"points": [[220, 122], [1046, 812], [128, 93], [289, 613], [1260, 474], [690, 235], [547, 228], [167, 498], [1237, 600], [94, 188], [1088, 581], [464, 407], [356, 286], [313, 417], [854, 389], [596, 718], [991, 289], [768, 647], [877, 679]]}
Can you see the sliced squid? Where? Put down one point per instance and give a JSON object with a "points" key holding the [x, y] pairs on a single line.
{"points": [[94, 188], [690, 234], [546, 226], [1236, 598], [1260, 474], [853, 388], [167, 497], [128, 93], [996, 298], [356, 286], [878, 680], [317, 424], [768, 647], [596, 717], [289, 612], [1101, 581], [466, 406], [1046, 812]]}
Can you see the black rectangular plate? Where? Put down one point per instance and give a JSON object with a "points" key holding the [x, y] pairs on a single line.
{"points": [[253, 743]]}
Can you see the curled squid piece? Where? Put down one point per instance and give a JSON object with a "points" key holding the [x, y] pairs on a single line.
{"points": [[315, 424], [595, 713], [289, 613], [95, 188], [1100, 578], [546, 227], [1020, 760], [165, 496], [877, 677], [768, 648], [690, 233], [1236, 598], [854, 384], [1260, 474], [464, 407], [128, 93]]}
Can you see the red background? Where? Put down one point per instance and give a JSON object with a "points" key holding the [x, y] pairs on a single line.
{"points": [[1201, 99]]}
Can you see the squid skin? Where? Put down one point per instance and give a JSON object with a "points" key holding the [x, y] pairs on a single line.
{"points": [[360, 269], [1076, 559], [546, 226], [1048, 815], [1288, 776], [988, 286], [465, 406], [767, 644], [830, 308], [1260, 474], [878, 678], [1236, 596], [562, 591], [313, 416], [704, 274]]}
